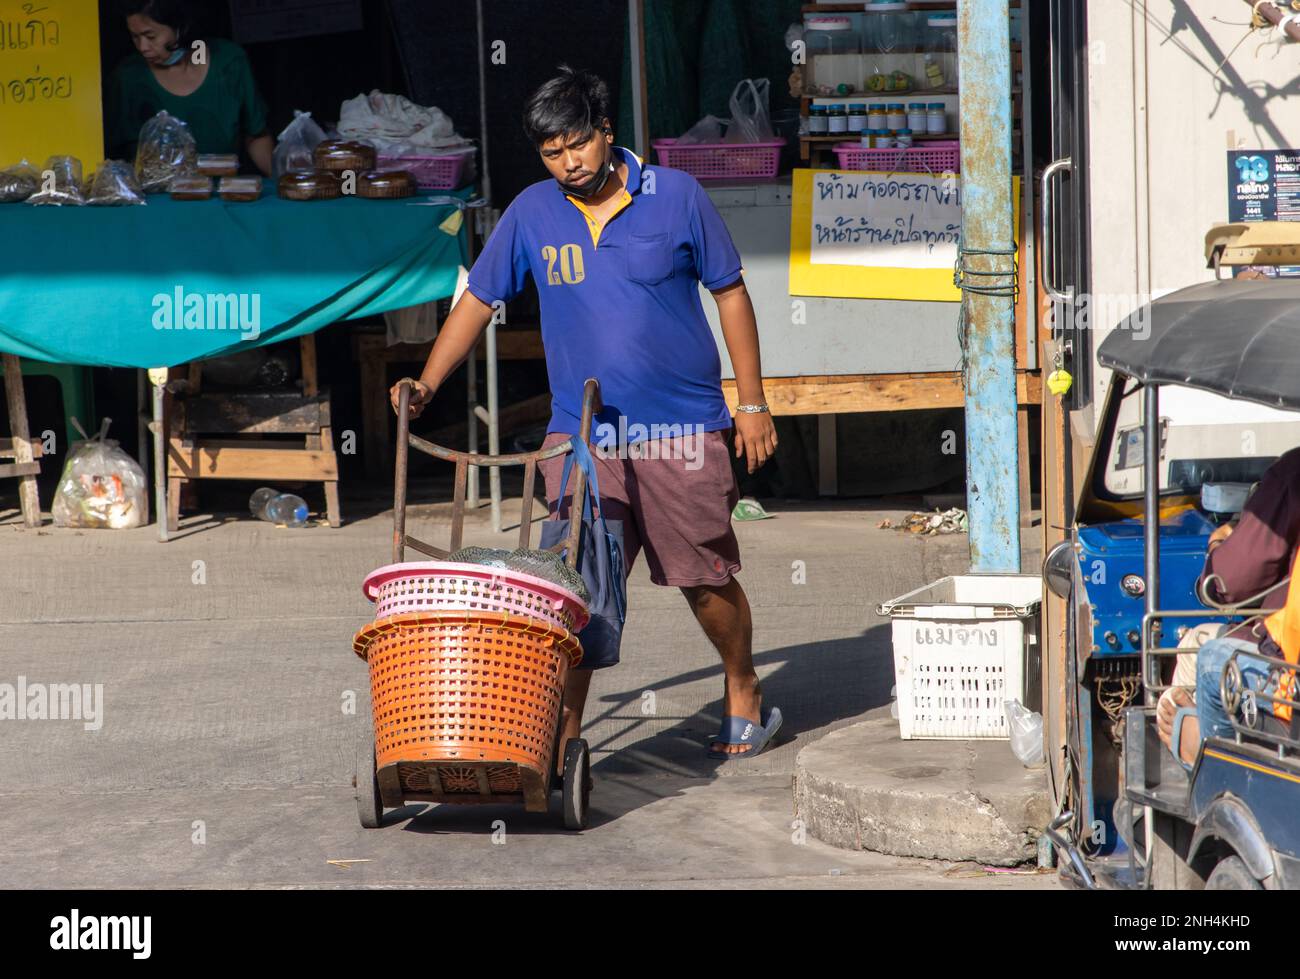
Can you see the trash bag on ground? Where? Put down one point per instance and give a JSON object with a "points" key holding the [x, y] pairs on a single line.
{"points": [[296, 144], [1026, 729], [101, 487], [166, 151]]}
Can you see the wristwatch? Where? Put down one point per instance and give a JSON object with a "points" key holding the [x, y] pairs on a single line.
{"points": [[752, 409]]}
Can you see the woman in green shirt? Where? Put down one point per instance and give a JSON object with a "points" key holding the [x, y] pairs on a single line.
{"points": [[217, 96]]}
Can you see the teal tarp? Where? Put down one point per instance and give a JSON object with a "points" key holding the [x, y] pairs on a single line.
{"points": [[99, 285]]}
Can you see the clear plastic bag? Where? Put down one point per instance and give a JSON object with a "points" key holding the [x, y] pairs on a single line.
{"points": [[707, 130], [750, 122], [19, 182], [114, 184], [167, 150], [295, 146], [101, 487], [65, 189], [1026, 729]]}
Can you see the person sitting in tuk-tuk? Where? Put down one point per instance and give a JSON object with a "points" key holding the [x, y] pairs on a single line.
{"points": [[1241, 563]]}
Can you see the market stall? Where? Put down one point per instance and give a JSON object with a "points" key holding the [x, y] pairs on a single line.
{"points": [[171, 261], [850, 256]]}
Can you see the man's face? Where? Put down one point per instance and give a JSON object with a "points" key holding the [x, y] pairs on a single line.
{"points": [[575, 158]]}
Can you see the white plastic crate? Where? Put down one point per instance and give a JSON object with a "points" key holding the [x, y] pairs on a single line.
{"points": [[961, 646]]}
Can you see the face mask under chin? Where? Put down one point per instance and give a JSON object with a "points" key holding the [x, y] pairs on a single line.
{"points": [[593, 186]]}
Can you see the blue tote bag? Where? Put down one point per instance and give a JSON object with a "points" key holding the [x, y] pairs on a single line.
{"points": [[600, 562]]}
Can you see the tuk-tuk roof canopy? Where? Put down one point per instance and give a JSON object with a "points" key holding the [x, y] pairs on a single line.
{"points": [[1236, 337]]}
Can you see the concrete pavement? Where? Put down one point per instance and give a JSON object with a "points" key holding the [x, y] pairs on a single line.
{"points": [[224, 756]]}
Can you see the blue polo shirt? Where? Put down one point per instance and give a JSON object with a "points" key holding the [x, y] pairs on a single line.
{"points": [[620, 303]]}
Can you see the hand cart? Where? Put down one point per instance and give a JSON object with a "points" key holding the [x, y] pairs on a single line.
{"points": [[468, 697]]}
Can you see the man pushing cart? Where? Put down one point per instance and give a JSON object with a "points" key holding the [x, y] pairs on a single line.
{"points": [[617, 250]]}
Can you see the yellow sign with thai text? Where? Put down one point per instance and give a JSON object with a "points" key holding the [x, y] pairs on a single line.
{"points": [[50, 102], [869, 235]]}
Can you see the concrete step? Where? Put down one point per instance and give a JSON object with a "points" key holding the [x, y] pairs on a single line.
{"points": [[862, 787]]}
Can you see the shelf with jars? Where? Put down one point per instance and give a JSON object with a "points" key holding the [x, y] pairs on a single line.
{"points": [[866, 54]]}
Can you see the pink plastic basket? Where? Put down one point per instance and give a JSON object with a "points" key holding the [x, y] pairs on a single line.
{"points": [[939, 156], [721, 161], [431, 172], [430, 586]]}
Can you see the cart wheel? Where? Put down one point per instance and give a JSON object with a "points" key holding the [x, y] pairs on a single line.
{"points": [[370, 808], [577, 783]]}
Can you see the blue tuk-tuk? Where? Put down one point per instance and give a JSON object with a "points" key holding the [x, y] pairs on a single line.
{"points": [[1204, 396]]}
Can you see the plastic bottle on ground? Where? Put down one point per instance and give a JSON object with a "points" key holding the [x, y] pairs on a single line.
{"points": [[288, 509], [260, 498], [278, 508]]}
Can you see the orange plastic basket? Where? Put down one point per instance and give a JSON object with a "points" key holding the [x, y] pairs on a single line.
{"points": [[468, 687]]}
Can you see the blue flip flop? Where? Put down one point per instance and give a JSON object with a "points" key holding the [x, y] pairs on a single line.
{"points": [[740, 730], [1176, 740]]}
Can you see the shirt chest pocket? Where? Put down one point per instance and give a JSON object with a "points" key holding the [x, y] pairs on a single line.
{"points": [[649, 258]]}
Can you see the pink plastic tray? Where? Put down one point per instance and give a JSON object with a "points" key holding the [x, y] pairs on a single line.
{"points": [[430, 172], [425, 586], [939, 156], [721, 161]]}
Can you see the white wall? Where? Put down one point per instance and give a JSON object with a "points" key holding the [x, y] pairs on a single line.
{"points": [[1161, 120]]}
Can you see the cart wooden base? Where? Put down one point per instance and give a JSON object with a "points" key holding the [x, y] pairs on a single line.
{"points": [[460, 782]]}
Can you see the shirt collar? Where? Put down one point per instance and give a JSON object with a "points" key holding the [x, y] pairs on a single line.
{"points": [[634, 168]]}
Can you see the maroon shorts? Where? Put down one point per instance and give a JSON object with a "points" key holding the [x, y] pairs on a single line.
{"points": [[675, 499]]}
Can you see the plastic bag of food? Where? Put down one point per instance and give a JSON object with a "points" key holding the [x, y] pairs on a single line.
{"points": [[19, 182], [1026, 729], [59, 182], [114, 184], [101, 486], [167, 150], [296, 145], [750, 122]]}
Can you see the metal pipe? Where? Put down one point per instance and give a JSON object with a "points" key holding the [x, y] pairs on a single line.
{"points": [[494, 425], [1071, 851], [471, 388], [1274, 14], [400, 471], [1030, 290], [992, 444], [486, 176], [636, 35], [158, 377], [1047, 255], [1150, 520]]}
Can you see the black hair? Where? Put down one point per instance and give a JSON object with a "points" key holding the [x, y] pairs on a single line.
{"points": [[175, 14], [571, 102]]}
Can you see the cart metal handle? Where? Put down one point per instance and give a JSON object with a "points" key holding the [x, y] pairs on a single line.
{"points": [[591, 403]]}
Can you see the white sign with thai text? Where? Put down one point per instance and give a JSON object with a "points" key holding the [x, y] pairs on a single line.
{"points": [[901, 220]]}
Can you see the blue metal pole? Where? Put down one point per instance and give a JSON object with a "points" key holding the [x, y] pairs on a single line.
{"points": [[992, 484]]}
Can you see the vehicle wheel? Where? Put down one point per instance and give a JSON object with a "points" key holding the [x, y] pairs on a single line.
{"points": [[370, 808], [1232, 875], [577, 783]]}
